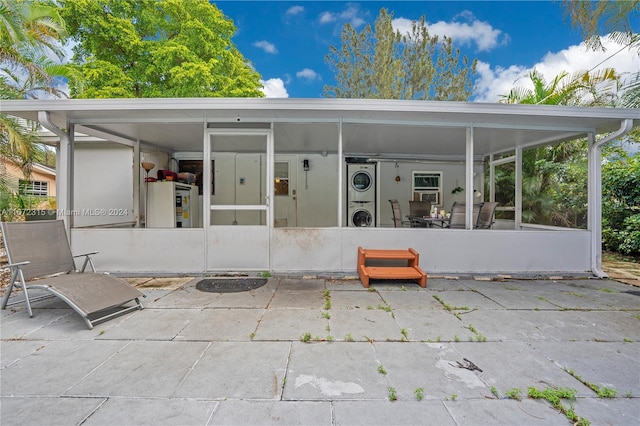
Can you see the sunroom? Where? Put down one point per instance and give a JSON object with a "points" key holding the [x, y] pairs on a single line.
{"points": [[184, 186]]}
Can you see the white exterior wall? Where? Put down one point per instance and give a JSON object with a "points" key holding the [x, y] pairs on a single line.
{"points": [[103, 184], [325, 250]]}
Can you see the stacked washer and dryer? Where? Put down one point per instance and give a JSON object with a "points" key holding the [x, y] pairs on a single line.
{"points": [[361, 194]]}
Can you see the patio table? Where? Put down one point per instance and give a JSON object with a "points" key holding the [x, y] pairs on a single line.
{"points": [[427, 221]]}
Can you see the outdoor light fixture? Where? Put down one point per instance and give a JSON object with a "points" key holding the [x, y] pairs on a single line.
{"points": [[147, 168], [305, 167]]}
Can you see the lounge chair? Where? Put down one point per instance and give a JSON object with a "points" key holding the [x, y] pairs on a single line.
{"points": [[40, 257]]}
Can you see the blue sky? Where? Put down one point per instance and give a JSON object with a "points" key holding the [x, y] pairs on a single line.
{"points": [[286, 41]]}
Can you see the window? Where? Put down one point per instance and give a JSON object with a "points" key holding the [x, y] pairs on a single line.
{"points": [[427, 186], [281, 178], [33, 187]]}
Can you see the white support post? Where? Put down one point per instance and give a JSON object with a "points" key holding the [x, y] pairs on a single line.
{"points": [[469, 179], [340, 174], [518, 203], [492, 179]]}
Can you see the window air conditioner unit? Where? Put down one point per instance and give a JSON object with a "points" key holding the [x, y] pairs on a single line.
{"points": [[432, 196]]}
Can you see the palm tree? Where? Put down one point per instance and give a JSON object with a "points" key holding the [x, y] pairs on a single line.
{"points": [[552, 189], [30, 35]]}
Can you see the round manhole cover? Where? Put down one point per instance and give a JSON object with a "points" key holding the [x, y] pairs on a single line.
{"points": [[230, 285]]}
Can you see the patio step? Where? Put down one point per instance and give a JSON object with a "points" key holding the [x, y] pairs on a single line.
{"points": [[409, 271]]}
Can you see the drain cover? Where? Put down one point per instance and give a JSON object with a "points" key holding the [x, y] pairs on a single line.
{"points": [[230, 285]]}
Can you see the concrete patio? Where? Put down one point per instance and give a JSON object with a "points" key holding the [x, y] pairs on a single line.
{"points": [[198, 358]]}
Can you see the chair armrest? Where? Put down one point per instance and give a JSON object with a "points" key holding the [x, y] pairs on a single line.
{"points": [[87, 260], [86, 254], [16, 265]]}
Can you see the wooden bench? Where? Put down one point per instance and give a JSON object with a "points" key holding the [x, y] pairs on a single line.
{"points": [[410, 271]]}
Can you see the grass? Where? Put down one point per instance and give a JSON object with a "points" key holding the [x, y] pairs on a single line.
{"points": [[602, 392], [448, 307], [393, 394], [555, 396], [419, 393], [305, 338], [513, 393], [405, 334], [494, 391], [349, 338], [327, 300], [381, 370], [265, 274]]}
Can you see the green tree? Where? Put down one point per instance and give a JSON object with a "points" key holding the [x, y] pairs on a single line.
{"points": [[621, 203], [31, 33], [594, 18], [554, 176], [384, 64], [163, 48]]}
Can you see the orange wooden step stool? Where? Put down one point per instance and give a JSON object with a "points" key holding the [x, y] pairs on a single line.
{"points": [[411, 271]]}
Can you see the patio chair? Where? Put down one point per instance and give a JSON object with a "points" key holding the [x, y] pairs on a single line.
{"points": [[397, 215], [419, 208], [485, 217], [40, 257], [458, 214]]}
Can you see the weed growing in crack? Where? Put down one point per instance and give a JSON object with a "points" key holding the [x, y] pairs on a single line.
{"points": [[513, 393], [606, 290], [305, 338], [555, 396], [419, 393], [494, 391], [327, 300], [393, 395], [602, 392], [252, 335], [381, 370], [348, 338], [454, 396], [371, 289], [403, 288], [448, 307], [456, 338], [326, 315], [405, 334]]}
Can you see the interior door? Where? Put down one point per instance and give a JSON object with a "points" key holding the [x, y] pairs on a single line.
{"points": [[238, 217], [285, 191]]}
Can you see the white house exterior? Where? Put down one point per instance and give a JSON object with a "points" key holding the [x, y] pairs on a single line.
{"points": [[276, 195]]}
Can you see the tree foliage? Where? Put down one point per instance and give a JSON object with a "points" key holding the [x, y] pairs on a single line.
{"points": [[381, 63], [594, 18], [163, 48], [621, 204], [31, 33], [554, 176]]}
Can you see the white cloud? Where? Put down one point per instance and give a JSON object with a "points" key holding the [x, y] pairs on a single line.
{"points": [[327, 18], [470, 31], [274, 88], [294, 10], [308, 74], [492, 83], [351, 14], [266, 46]]}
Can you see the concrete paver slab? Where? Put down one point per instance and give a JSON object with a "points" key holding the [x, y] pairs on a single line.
{"points": [[410, 299], [14, 350], [354, 299], [291, 324], [143, 369], [183, 298], [430, 366], [258, 299], [19, 325], [517, 299], [383, 413], [333, 371], [460, 299], [432, 325], [516, 365], [252, 413], [52, 411], [301, 299], [615, 365], [607, 411], [525, 412], [233, 370], [444, 284], [153, 324], [294, 284], [141, 411], [364, 324], [222, 325], [56, 367]]}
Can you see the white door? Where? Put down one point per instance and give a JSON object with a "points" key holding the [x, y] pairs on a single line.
{"points": [[285, 191], [239, 214]]}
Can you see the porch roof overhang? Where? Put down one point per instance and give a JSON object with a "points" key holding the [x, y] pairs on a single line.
{"points": [[370, 127]]}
